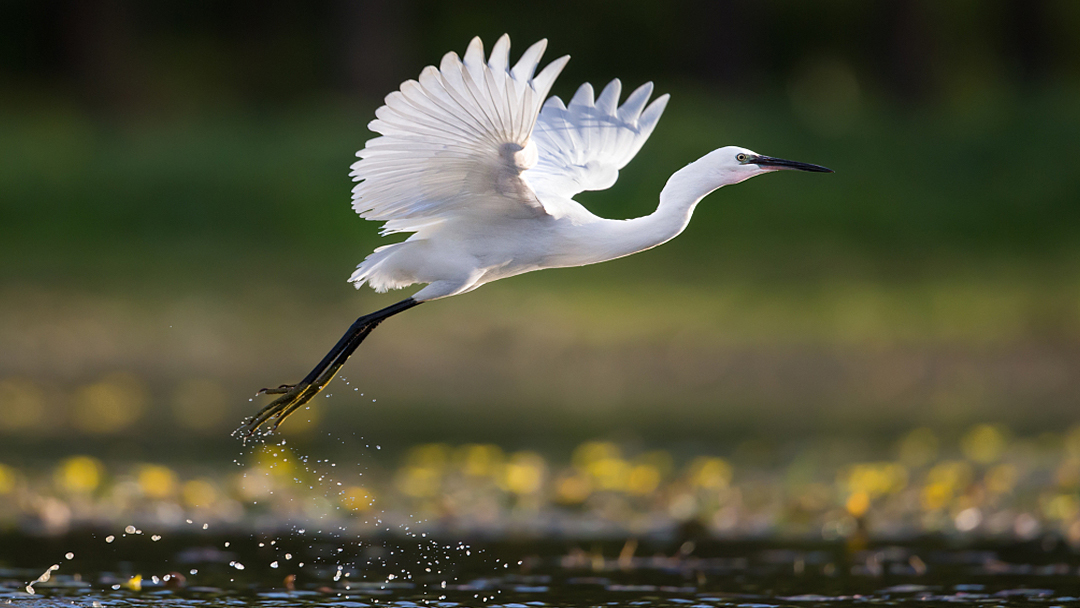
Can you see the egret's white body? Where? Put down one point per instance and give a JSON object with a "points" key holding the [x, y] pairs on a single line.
{"points": [[482, 171]]}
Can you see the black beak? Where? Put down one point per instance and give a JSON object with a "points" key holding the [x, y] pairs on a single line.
{"points": [[779, 163]]}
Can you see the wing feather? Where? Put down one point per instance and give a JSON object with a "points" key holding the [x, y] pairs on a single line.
{"points": [[473, 137], [583, 145], [451, 142]]}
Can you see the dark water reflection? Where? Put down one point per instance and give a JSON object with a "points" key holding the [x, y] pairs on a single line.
{"points": [[200, 570]]}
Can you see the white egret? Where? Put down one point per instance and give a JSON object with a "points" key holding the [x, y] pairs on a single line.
{"points": [[482, 171]]}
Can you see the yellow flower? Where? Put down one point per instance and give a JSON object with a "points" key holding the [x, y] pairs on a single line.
{"points": [[157, 481], [936, 496], [7, 479], [417, 482], [643, 479], [857, 504], [431, 455], [276, 460], [984, 443], [356, 498], [79, 474], [710, 473], [480, 460], [610, 473], [1062, 507], [573, 488], [875, 478], [524, 473], [593, 451]]}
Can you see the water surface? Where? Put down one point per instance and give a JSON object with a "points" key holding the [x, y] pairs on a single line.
{"points": [[312, 569]]}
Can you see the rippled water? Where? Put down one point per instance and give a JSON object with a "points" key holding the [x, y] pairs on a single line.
{"points": [[324, 570]]}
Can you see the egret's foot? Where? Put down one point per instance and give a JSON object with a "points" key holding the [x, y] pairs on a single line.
{"points": [[281, 390], [295, 395], [292, 397]]}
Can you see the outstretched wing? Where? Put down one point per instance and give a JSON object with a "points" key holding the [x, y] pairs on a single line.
{"points": [[583, 145], [455, 142]]}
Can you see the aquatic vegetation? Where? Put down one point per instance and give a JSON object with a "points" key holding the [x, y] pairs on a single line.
{"points": [[985, 484]]}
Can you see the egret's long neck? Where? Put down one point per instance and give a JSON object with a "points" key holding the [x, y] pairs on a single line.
{"points": [[684, 190]]}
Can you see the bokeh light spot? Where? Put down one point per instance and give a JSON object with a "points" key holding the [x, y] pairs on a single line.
{"points": [[79, 474], [985, 443], [276, 460], [430, 455], [356, 498], [593, 451], [480, 460], [710, 473], [573, 488], [417, 481], [858, 504], [643, 479], [525, 473], [7, 479], [156, 481]]}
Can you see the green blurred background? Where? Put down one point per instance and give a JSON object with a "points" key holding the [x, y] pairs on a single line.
{"points": [[177, 230]]}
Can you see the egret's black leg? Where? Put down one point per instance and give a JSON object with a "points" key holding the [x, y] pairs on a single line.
{"points": [[296, 395]]}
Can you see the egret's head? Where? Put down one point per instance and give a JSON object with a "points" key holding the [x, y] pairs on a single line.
{"points": [[732, 164]]}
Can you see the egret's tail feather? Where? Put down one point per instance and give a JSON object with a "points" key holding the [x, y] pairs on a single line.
{"points": [[378, 270], [293, 396]]}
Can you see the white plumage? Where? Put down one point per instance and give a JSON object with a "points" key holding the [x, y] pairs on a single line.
{"points": [[482, 171], [470, 159]]}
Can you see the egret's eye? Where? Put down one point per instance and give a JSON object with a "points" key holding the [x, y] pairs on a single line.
{"points": [[741, 157]]}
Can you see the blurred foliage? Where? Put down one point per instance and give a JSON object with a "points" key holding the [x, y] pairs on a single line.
{"points": [[191, 133], [913, 196]]}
